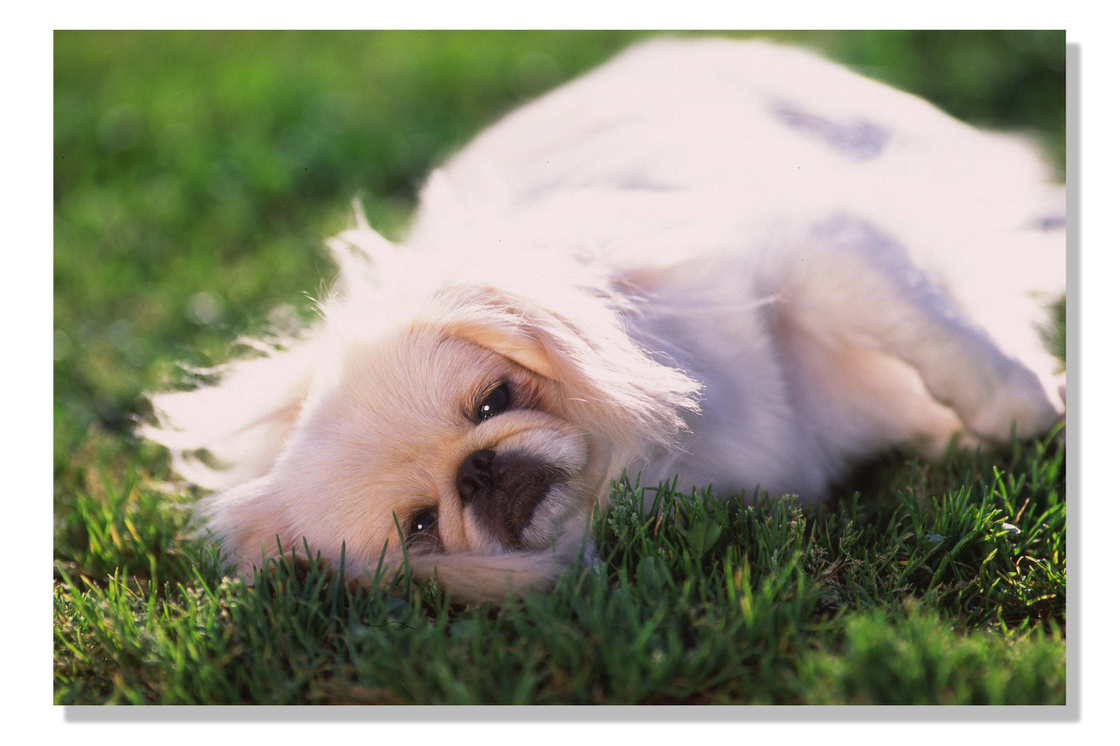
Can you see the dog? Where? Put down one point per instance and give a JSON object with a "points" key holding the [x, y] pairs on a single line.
{"points": [[731, 263]]}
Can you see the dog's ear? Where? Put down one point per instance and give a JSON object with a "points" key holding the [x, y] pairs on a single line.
{"points": [[249, 523], [232, 431], [607, 382]]}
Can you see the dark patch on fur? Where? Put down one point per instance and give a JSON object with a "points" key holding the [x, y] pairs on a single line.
{"points": [[857, 139]]}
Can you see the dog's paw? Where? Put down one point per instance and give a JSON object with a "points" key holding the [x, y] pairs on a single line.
{"points": [[1019, 403]]}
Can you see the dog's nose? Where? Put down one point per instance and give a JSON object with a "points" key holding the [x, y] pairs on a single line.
{"points": [[502, 491], [474, 474]]}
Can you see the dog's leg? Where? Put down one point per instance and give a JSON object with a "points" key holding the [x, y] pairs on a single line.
{"points": [[852, 287]]}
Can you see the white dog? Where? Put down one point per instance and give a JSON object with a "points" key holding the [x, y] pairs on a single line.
{"points": [[729, 262]]}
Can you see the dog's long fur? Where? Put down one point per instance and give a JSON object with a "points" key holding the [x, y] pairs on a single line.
{"points": [[733, 263]]}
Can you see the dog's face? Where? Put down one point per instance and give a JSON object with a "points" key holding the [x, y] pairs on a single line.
{"points": [[431, 438]]}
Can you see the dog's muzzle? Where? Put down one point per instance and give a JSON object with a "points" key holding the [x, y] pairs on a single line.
{"points": [[503, 490]]}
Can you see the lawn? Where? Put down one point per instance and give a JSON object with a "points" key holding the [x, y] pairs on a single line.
{"points": [[196, 175]]}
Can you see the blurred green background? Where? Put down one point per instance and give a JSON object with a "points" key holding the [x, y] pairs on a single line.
{"points": [[197, 173]]}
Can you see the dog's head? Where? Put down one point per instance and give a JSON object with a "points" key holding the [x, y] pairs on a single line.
{"points": [[469, 423]]}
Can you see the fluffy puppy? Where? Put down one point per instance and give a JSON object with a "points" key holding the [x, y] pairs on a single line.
{"points": [[727, 262]]}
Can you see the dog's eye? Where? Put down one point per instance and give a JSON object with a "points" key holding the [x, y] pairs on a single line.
{"points": [[422, 526], [496, 402]]}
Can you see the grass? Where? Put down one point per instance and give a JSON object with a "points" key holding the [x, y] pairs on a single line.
{"points": [[195, 176]]}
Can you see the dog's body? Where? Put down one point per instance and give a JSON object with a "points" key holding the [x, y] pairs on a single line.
{"points": [[730, 263]]}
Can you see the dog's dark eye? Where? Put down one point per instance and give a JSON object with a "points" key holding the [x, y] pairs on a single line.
{"points": [[496, 402], [422, 527]]}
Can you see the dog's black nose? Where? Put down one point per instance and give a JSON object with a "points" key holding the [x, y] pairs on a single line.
{"points": [[474, 474], [503, 491]]}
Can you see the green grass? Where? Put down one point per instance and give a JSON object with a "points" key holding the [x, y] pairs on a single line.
{"points": [[195, 177]]}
